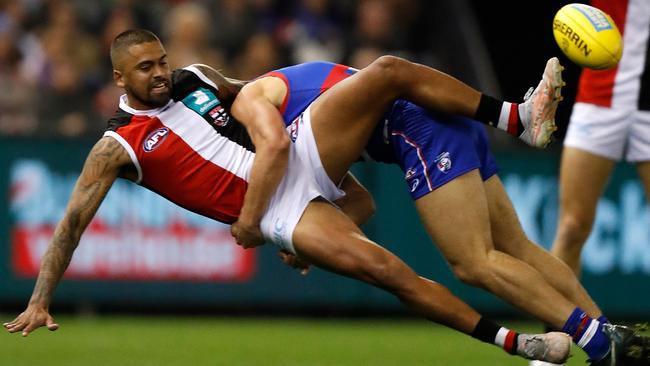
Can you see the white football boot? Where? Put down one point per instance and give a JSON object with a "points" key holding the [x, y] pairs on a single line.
{"points": [[537, 113], [553, 348], [544, 363]]}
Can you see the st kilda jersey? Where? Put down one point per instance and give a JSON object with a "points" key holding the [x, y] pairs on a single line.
{"points": [[627, 85], [190, 151]]}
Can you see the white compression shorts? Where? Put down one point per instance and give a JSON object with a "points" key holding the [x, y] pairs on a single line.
{"points": [[304, 180], [609, 132]]}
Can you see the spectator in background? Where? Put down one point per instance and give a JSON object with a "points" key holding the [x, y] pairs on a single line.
{"points": [[119, 19], [260, 55], [16, 96], [364, 56], [375, 25], [313, 33], [186, 32], [69, 74], [252, 37], [236, 25]]}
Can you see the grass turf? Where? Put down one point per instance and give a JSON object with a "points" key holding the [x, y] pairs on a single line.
{"points": [[167, 341]]}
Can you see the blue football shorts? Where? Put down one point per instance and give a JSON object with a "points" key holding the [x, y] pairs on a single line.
{"points": [[431, 148]]}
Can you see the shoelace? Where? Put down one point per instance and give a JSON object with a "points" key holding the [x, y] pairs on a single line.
{"points": [[532, 345]]}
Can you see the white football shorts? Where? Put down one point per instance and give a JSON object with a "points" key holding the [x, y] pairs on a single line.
{"points": [[610, 133], [305, 180]]}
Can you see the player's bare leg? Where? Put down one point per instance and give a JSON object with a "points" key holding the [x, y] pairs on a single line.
{"points": [[509, 237], [344, 116], [644, 173], [340, 247], [578, 201], [328, 239], [457, 219]]}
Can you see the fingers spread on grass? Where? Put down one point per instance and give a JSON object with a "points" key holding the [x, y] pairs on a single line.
{"points": [[28, 329], [16, 327], [51, 325]]}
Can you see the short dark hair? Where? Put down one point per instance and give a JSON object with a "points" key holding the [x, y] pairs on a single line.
{"points": [[129, 38]]}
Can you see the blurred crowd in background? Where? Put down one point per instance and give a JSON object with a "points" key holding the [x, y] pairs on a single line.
{"points": [[55, 73]]}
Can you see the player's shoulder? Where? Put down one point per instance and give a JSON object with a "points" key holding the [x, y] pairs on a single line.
{"points": [[271, 87], [188, 79], [119, 119], [109, 151]]}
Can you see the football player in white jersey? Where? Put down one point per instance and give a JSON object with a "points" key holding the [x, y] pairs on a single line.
{"points": [[610, 121], [147, 126]]}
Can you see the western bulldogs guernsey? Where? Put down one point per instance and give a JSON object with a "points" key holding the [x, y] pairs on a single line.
{"points": [[189, 151], [432, 149], [306, 81]]}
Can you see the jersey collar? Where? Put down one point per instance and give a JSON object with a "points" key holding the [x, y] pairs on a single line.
{"points": [[125, 107]]}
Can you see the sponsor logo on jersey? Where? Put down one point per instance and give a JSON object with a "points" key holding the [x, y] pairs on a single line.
{"points": [[201, 101], [155, 139], [219, 116], [279, 229], [443, 162]]}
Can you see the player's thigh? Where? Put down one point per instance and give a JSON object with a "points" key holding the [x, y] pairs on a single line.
{"points": [[583, 176], [328, 239], [344, 117], [366, 95], [507, 233], [456, 217]]}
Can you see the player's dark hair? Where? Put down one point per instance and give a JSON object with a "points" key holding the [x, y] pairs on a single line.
{"points": [[129, 38]]}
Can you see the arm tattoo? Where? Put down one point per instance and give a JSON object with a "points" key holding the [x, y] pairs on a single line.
{"points": [[99, 172]]}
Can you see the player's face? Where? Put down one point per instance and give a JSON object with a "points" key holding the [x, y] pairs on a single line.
{"points": [[145, 76]]}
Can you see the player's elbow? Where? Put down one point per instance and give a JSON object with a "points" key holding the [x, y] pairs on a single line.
{"points": [[276, 143]]}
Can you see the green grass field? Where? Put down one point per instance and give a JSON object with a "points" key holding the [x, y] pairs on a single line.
{"points": [[166, 341]]}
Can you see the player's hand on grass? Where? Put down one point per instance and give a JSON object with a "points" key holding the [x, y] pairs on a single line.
{"points": [[248, 235], [31, 319], [294, 261]]}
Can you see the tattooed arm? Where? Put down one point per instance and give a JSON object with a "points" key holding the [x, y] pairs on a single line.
{"points": [[104, 163]]}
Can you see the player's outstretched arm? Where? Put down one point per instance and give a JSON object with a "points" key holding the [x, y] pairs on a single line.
{"points": [[254, 109], [99, 172]]}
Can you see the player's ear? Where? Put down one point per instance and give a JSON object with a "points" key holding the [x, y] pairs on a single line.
{"points": [[117, 77]]}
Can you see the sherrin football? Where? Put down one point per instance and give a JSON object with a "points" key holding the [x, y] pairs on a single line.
{"points": [[587, 36]]}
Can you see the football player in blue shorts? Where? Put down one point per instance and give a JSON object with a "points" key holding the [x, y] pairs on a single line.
{"points": [[452, 176]]}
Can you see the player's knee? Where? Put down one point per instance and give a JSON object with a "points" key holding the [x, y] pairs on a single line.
{"points": [[392, 69], [472, 272], [574, 229]]}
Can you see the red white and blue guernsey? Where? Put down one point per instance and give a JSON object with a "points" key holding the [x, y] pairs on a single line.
{"points": [[432, 149], [189, 151], [611, 116], [192, 152]]}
